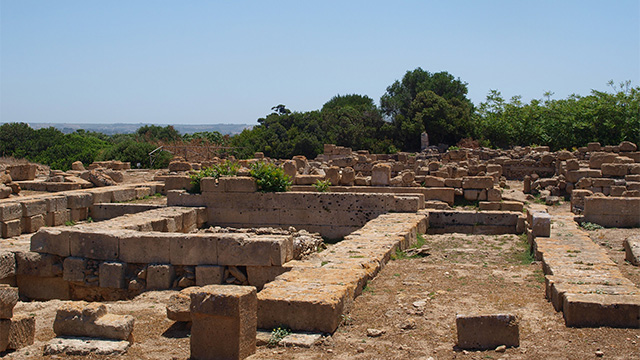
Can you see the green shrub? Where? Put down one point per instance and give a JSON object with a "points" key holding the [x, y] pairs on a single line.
{"points": [[227, 168], [589, 226], [322, 185], [270, 178]]}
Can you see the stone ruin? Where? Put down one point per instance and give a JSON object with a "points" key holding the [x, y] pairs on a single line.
{"points": [[377, 204]]}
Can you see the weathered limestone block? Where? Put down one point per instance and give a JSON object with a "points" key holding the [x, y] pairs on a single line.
{"points": [[592, 310], [51, 241], [541, 224], [487, 331], [613, 211], [77, 200], [179, 304], [36, 264], [193, 249], [209, 275], [614, 170], [477, 182], [74, 269], [77, 166], [244, 184], [628, 146], [95, 245], [575, 175], [145, 247], [31, 224], [594, 146], [224, 322], [332, 174], [43, 288], [5, 326], [124, 194], [57, 218], [308, 179], [10, 211], [596, 159], [381, 175], [33, 207], [348, 176], [259, 276], [632, 250], [179, 166], [111, 275], [22, 172], [7, 264], [10, 228], [433, 181], [91, 320], [8, 299], [160, 276], [22, 331], [494, 194], [255, 251]]}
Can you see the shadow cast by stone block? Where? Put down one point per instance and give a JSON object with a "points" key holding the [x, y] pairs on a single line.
{"points": [[179, 330]]}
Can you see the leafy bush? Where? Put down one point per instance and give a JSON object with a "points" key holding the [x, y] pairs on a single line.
{"points": [[227, 168], [322, 185], [270, 178]]}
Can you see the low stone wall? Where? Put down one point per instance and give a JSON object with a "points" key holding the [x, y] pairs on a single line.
{"points": [[333, 215], [445, 194], [475, 222], [29, 213], [612, 211], [106, 211]]}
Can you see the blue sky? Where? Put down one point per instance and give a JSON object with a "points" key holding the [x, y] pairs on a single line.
{"points": [[200, 62]]}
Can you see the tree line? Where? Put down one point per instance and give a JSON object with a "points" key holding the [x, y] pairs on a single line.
{"points": [[421, 101]]}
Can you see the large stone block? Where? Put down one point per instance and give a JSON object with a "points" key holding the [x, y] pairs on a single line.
{"points": [[7, 264], [51, 241], [111, 275], [193, 249], [145, 248], [381, 175], [591, 310], [22, 331], [42, 288], [541, 224], [241, 250], [33, 207], [487, 331], [56, 203], [259, 276], [612, 211], [10, 228], [74, 269], [224, 322], [37, 264], [31, 224], [596, 159], [22, 172], [10, 211], [209, 275], [160, 276], [477, 182], [125, 194], [57, 218], [615, 170], [8, 299], [632, 250], [179, 305], [243, 184], [77, 200], [78, 214], [95, 245], [91, 320]]}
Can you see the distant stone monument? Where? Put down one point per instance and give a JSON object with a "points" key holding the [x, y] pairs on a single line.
{"points": [[424, 141]]}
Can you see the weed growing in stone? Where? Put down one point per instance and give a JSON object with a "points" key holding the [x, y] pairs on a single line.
{"points": [[322, 185], [589, 226], [270, 178], [278, 334]]}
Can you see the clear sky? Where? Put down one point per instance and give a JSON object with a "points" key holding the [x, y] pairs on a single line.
{"points": [[200, 62]]}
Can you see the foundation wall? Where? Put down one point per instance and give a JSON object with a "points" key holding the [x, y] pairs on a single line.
{"points": [[474, 222], [612, 211]]}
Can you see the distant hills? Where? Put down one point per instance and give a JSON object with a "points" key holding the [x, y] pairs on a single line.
{"points": [[111, 129]]}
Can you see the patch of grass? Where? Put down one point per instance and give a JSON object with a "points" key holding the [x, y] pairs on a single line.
{"points": [[522, 254], [400, 255], [589, 226], [278, 334], [69, 223]]}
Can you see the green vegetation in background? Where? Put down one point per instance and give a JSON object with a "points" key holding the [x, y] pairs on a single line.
{"points": [[227, 168]]}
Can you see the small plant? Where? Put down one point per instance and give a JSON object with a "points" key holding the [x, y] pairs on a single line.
{"points": [[278, 334], [227, 168], [589, 226], [89, 219], [69, 223], [322, 185], [453, 148], [270, 178]]}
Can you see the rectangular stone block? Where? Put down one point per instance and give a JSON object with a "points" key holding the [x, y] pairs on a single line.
{"points": [[511, 206], [78, 200], [42, 288], [615, 170], [91, 320], [79, 214], [111, 275], [160, 276], [224, 322], [74, 269], [612, 211], [484, 332], [122, 195], [22, 331], [142, 191], [10, 211], [8, 299], [259, 276], [95, 245], [243, 184], [101, 196], [209, 275], [10, 228], [57, 218], [33, 207], [240, 250], [7, 264], [37, 264], [189, 219], [56, 203], [31, 224], [541, 224], [593, 310], [144, 248], [194, 249], [51, 241], [477, 182]]}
